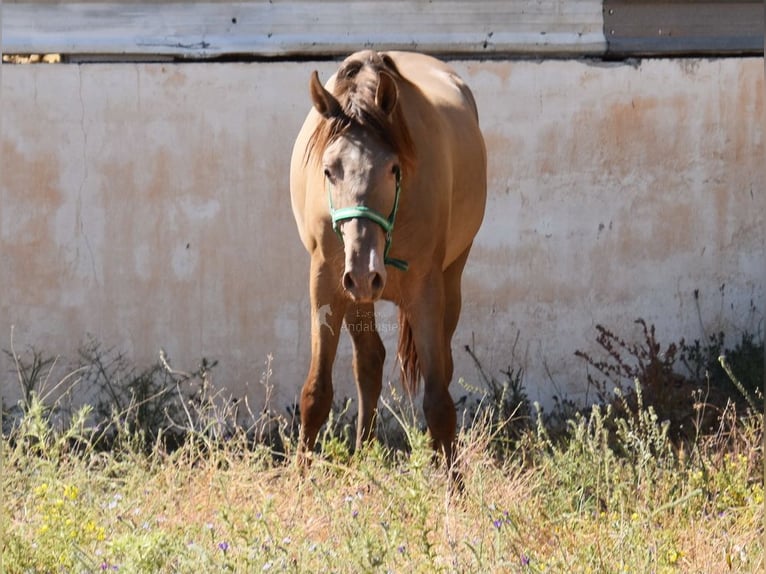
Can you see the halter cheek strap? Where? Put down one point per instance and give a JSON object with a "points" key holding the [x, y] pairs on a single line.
{"points": [[362, 211]]}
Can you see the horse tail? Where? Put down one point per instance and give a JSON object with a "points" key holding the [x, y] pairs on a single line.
{"points": [[408, 356]]}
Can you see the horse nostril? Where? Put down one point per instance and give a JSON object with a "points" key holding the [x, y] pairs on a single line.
{"points": [[368, 286], [348, 281], [377, 282]]}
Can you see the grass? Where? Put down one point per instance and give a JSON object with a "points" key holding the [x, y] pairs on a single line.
{"points": [[612, 494]]}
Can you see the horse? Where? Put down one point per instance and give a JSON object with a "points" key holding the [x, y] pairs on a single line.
{"points": [[388, 186]]}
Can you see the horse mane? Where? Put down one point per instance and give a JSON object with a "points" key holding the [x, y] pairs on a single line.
{"points": [[355, 84]]}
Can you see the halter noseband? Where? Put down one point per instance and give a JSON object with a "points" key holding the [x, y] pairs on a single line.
{"points": [[362, 211]]}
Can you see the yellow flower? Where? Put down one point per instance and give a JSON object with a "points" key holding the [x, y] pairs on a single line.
{"points": [[41, 490], [71, 492], [742, 459], [673, 556]]}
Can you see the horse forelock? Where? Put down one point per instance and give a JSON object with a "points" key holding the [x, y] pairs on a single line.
{"points": [[355, 85]]}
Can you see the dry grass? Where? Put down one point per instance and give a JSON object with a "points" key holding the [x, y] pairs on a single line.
{"points": [[558, 506]]}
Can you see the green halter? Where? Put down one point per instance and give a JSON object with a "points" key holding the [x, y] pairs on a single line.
{"points": [[357, 211]]}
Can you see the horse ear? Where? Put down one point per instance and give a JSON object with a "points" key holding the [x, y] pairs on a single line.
{"points": [[387, 93], [324, 102]]}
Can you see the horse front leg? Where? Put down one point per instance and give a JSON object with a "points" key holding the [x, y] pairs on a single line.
{"points": [[369, 355], [425, 315], [328, 306]]}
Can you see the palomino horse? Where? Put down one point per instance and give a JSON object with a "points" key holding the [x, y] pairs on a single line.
{"points": [[388, 184]]}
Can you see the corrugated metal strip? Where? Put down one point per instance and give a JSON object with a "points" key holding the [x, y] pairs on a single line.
{"points": [[326, 28], [647, 28]]}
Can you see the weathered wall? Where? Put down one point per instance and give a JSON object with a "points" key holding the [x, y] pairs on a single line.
{"points": [[298, 29], [148, 205]]}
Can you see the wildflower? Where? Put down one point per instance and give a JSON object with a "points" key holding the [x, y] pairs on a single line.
{"points": [[524, 559], [401, 549], [740, 551], [355, 513], [497, 523], [71, 492], [672, 556], [223, 546]]}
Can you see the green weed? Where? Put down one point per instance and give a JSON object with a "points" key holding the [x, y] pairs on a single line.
{"points": [[612, 493]]}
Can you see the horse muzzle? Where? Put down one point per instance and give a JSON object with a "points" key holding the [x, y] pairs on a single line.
{"points": [[364, 286], [364, 275]]}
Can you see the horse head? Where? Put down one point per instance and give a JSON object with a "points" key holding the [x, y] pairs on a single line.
{"points": [[360, 142]]}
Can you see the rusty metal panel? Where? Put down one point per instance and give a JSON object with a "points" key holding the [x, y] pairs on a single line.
{"points": [[683, 27], [306, 28]]}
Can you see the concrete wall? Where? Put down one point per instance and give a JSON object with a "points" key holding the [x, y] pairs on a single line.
{"points": [[148, 205]]}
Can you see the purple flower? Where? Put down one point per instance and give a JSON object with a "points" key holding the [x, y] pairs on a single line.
{"points": [[354, 514], [524, 559], [223, 546], [497, 523], [401, 549]]}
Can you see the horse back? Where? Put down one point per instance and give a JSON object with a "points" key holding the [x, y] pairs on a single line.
{"points": [[445, 127]]}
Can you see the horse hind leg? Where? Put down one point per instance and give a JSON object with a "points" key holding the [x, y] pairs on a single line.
{"points": [[369, 356], [452, 305]]}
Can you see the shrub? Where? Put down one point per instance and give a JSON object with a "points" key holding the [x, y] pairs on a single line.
{"points": [[504, 402], [690, 402]]}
